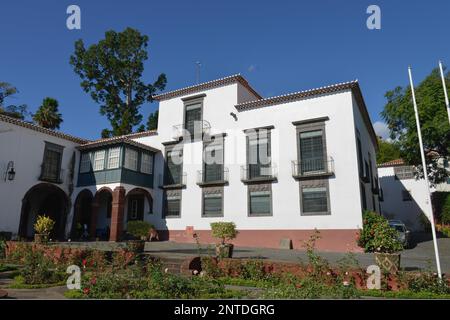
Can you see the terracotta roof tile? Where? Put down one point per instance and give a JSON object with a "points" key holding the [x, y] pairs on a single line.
{"points": [[392, 163], [37, 128], [205, 86]]}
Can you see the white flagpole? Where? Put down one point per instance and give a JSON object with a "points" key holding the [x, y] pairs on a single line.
{"points": [[425, 173], [445, 89]]}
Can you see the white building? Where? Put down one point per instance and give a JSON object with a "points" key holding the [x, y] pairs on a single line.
{"points": [[404, 196], [278, 167]]}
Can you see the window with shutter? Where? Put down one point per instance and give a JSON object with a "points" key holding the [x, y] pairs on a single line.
{"points": [[174, 169], [173, 204], [311, 151], [85, 162], [131, 159], [260, 200], [258, 148], [314, 199], [146, 163], [213, 162], [212, 202], [51, 164], [193, 117]]}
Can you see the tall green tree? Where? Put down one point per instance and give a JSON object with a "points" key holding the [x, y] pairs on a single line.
{"points": [[19, 112], [387, 151], [399, 115], [111, 71], [152, 121], [48, 115]]}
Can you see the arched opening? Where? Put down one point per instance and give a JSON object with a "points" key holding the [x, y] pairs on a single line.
{"points": [[139, 202], [44, 199], [101, 214], [82, 214]]}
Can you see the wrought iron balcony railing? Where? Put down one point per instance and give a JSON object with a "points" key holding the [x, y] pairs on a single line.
{"points": [[314, 167], [257, 172], [212, 176], [192, 129]]}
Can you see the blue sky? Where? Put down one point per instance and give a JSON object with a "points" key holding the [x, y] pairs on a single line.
{"points": [[279, 46]]}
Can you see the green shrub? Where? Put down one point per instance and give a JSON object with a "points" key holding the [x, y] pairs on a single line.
{"points": [[44, 225], [253, 270], [38, 269], [377, 235], [224, 231], [210, 267], [428, 282], [139, 229]]}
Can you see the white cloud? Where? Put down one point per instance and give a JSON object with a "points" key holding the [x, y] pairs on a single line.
{"points": [[381, 129]]}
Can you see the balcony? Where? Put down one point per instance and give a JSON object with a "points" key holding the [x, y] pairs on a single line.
{"points": [[197, 128], [255, 173], [313, 168], [213, 178], [170, 182]]}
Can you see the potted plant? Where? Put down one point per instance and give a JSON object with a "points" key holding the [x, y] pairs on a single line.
{"points": [[224, 231], [43, 227], [139, 231], [379, 237]]}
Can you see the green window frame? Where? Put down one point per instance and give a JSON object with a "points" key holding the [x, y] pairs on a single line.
{"points": [[212, 202], [260, 200]]}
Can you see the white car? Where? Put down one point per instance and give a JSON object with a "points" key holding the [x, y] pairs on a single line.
{"points": [[403, 232]]}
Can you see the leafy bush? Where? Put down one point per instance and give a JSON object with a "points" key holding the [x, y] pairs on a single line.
{"points": [[253, 270], [210, 267], [38, 269], [224, 231], [44, 225], [377, 235], [428, 282], [139, 229], [444, 230]]}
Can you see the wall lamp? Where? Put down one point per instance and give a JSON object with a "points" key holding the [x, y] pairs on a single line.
{"points": [[10, 173]]}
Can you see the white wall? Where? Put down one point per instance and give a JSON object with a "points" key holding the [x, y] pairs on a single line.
{"points": [[393, 207], [26, 148], [341, 145]]}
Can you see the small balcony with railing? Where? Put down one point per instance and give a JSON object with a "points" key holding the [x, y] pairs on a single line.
{"points": [[216, 177], [313, 168], [172, 181], [192, 129], [254, 173]]}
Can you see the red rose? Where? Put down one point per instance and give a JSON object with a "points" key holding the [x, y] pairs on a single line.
{"points": [[84, 262], [86, 290], [93, 281]]}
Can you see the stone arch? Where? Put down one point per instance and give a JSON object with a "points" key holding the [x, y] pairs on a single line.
{"points": [[48, 199], [82, 212], [101, 210]]}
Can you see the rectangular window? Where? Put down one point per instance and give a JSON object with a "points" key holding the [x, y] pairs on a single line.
{"points": [[314, 200], [213, 162], [258, 154], [85, 162], [131, 159], [311, 151], [193, 117], [146, 163], [174, 160], [212, 203], [260, 202], [113, 158], [99, 160], [404, 172], [360, 157], [363, 195], [173, 205], [51, 165]]}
